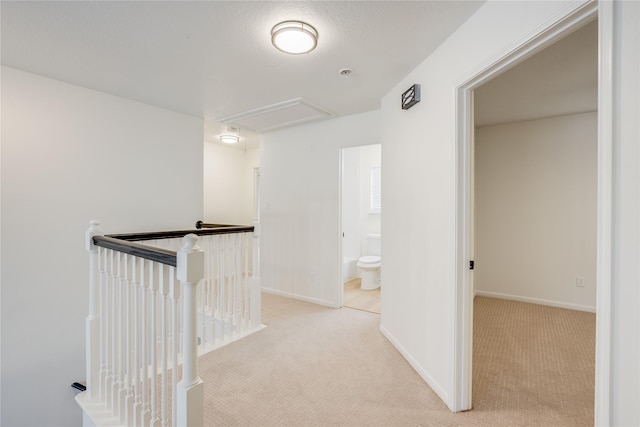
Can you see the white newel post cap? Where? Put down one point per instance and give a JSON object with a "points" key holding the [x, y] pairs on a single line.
{"points": [[190, 262], [94, 230]]}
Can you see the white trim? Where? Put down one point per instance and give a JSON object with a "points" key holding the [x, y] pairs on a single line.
{"points": [[564, 22], [415, 365], [604, 221], [340, 284], [561, 24], [205, 349], [539, 301], [95, 413], [317, 301], [462, 343]]}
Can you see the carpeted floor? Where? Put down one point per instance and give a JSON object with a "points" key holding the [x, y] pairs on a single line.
{"points": [[533, 364], [315, 366]]}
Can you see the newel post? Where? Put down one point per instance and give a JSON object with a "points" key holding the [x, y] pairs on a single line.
{"points": [[256, 298], [190, 270], [92, 325]]}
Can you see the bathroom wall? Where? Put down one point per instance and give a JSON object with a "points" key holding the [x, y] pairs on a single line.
{"points": [[535, 193], [370, 157]]}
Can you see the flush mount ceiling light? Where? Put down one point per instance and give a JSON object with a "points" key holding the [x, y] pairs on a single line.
{"points": [[229, 139], [294, 37]]}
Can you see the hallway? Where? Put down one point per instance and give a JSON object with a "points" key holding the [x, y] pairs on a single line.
{"points": [[316, 366]]}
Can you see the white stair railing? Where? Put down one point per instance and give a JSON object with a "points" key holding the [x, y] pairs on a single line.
{"points": [[148, 320], [190, 401], [225, 313], [229, 296]]}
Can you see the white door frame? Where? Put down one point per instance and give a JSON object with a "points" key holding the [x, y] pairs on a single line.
{"points": [[462, 344], [340, 284]]}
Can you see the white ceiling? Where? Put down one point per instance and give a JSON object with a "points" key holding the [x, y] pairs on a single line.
{"points": [[561, 79], [214, 59]]}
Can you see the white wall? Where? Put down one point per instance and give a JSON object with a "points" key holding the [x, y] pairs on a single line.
{"points": [[300, 245], [228, 184], [70, 155], [419, 185], [625, 286], [535, 210]]}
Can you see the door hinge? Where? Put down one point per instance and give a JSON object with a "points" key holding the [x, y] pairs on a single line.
{"points": [[472, 264]]}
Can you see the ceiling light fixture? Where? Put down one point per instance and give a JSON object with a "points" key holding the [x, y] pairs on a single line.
{"points": [[229, 139], [294, 37]]}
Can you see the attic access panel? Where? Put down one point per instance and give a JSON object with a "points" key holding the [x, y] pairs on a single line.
{"points": [[276, 116]]}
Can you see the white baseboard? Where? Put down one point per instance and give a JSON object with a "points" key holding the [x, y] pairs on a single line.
{"points": [[329, 304], [202, 350], [95, 414], [539, 301], [416, 366]]}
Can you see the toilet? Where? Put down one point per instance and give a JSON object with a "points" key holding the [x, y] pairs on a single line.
{"points": [[369, 264]]}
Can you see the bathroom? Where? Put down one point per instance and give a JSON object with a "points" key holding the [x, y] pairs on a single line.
{"points": [[361, 231]]}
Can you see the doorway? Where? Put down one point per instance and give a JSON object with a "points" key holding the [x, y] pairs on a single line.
{"points": [[463, 293], [360, 211], [535, 174]]}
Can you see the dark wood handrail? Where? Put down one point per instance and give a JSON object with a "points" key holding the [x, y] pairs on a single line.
{"points": [[162, 256], [155, 235], [202, 224], [126, 242]]}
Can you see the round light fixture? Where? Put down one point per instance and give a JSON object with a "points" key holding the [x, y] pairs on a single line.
{"points": [[229, 139], [294, 37]]}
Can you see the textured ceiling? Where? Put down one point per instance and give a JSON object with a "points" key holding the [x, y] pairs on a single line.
{"points": [[214, 59]]}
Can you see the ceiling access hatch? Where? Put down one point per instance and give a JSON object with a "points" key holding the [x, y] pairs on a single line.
{"points": [[288, 113]]}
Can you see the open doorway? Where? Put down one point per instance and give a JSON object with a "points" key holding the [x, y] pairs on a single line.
{"points": [[535, 209], [360, 212], [464, 291]]}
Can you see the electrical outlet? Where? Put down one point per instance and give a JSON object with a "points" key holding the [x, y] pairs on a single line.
{"points": [[580, 282]]}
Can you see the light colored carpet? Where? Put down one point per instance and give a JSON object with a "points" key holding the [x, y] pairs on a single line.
{"points": [[533, 364], [315, 366], [360, 299]]}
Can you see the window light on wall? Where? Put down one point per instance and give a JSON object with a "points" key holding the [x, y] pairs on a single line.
{"points": [[376, 190]]}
